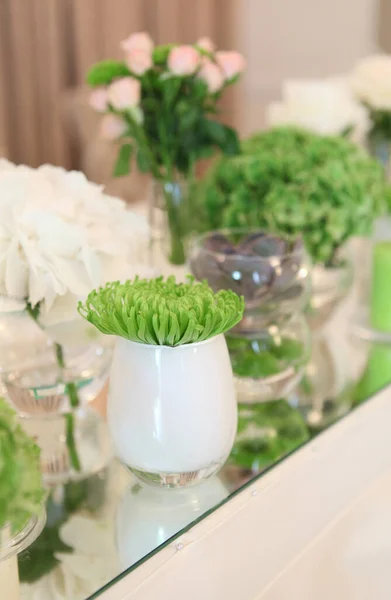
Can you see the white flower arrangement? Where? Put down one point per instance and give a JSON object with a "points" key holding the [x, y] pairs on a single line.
{"points": [[324, 106], [370, 81], [61, 236]]}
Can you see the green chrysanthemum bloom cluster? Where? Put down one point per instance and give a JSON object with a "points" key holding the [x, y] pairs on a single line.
{"points": [[162, 312], [290, 181], [21, 491]]}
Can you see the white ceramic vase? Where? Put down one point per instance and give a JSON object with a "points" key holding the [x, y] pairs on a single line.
{"points": [[172, 412]]}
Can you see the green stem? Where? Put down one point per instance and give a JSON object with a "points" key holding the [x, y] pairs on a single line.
{"points": [[176, 224], [70, 388], [70, 438], [72, 393]]}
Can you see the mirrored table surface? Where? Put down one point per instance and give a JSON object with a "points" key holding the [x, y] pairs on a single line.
{"points": [[102, 526]]}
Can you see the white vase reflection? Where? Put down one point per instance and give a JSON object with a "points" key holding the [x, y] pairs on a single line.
{"points": [[147, 517]]}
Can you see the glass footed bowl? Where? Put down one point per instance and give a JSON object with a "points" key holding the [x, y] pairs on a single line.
{"points": [[330, 285], [29, 362], [268, 364], [271, 272]]}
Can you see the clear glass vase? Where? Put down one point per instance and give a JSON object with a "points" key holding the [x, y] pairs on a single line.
{"points": [[330, 285], [49, 375], [379, 147], [325, 392], [11, 544], [170, 220], [372, 318], [271, 345]]}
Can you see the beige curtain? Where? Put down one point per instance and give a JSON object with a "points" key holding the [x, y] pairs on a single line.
{"points": [[46, 46]]}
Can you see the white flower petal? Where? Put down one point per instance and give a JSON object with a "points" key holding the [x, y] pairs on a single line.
{"points": [[16, 273]]}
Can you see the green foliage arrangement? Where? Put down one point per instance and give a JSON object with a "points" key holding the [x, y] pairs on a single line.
{"points": [[21, 491], [291, 181], [162, 312]]}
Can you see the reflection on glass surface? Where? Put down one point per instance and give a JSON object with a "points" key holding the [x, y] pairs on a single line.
{"points": [[103, 525], [147, 516]]}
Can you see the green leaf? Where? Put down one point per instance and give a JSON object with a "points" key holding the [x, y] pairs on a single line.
{"points": [[215, 131], [189, 117], [160, 54], [199, 88], [171, 87], [104, 72], [143, 162], [232, 144], [122, 165]]}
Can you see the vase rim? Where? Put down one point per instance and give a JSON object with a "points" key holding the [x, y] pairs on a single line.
{"points": [[179, 346], [25, 536]]}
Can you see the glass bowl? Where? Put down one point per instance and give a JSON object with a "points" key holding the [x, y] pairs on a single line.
{"points": [[330, 285], [268, 364], [271, 272]]}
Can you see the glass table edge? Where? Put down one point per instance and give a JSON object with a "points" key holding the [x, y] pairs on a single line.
{"points": [[233, 494]]}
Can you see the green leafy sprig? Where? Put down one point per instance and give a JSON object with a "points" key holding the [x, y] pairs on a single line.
{"points": [[162, 312], [21, 491], [294, 182]]}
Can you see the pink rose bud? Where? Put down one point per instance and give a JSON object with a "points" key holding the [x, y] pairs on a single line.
{"points": [[124, 93], [139, 61], [232, 63], [98, 99], [206, 44], [112, 127], [183, 60], [138, 41], [212, 75]]}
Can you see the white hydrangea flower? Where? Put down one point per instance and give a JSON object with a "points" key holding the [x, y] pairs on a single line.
{"points": [[371, 81], [61, 236], [324, 106]]}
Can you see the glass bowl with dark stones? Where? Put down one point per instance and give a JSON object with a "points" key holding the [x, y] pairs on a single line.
{"points": [[271, 272]]}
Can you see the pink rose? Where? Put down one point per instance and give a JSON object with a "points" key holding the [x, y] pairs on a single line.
{"points": [[231, 63], [183, 60], [124, 93], [98, 99], [138, 41], [212, 75], [112, 127], [206, 44], [139, 61]]}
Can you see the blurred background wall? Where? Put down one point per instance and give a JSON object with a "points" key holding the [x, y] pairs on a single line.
{"points": [[47, 46], [304, 38]]}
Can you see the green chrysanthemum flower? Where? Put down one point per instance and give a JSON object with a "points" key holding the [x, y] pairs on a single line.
{"points": [[159, 312], [21, 491]]}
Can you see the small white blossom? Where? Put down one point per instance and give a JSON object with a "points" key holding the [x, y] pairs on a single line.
{"points": [[371, 81], [324, 106]]}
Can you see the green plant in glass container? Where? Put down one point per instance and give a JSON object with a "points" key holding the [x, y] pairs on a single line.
{"points": [[21, 497], [160, 104], [293, 182]]}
